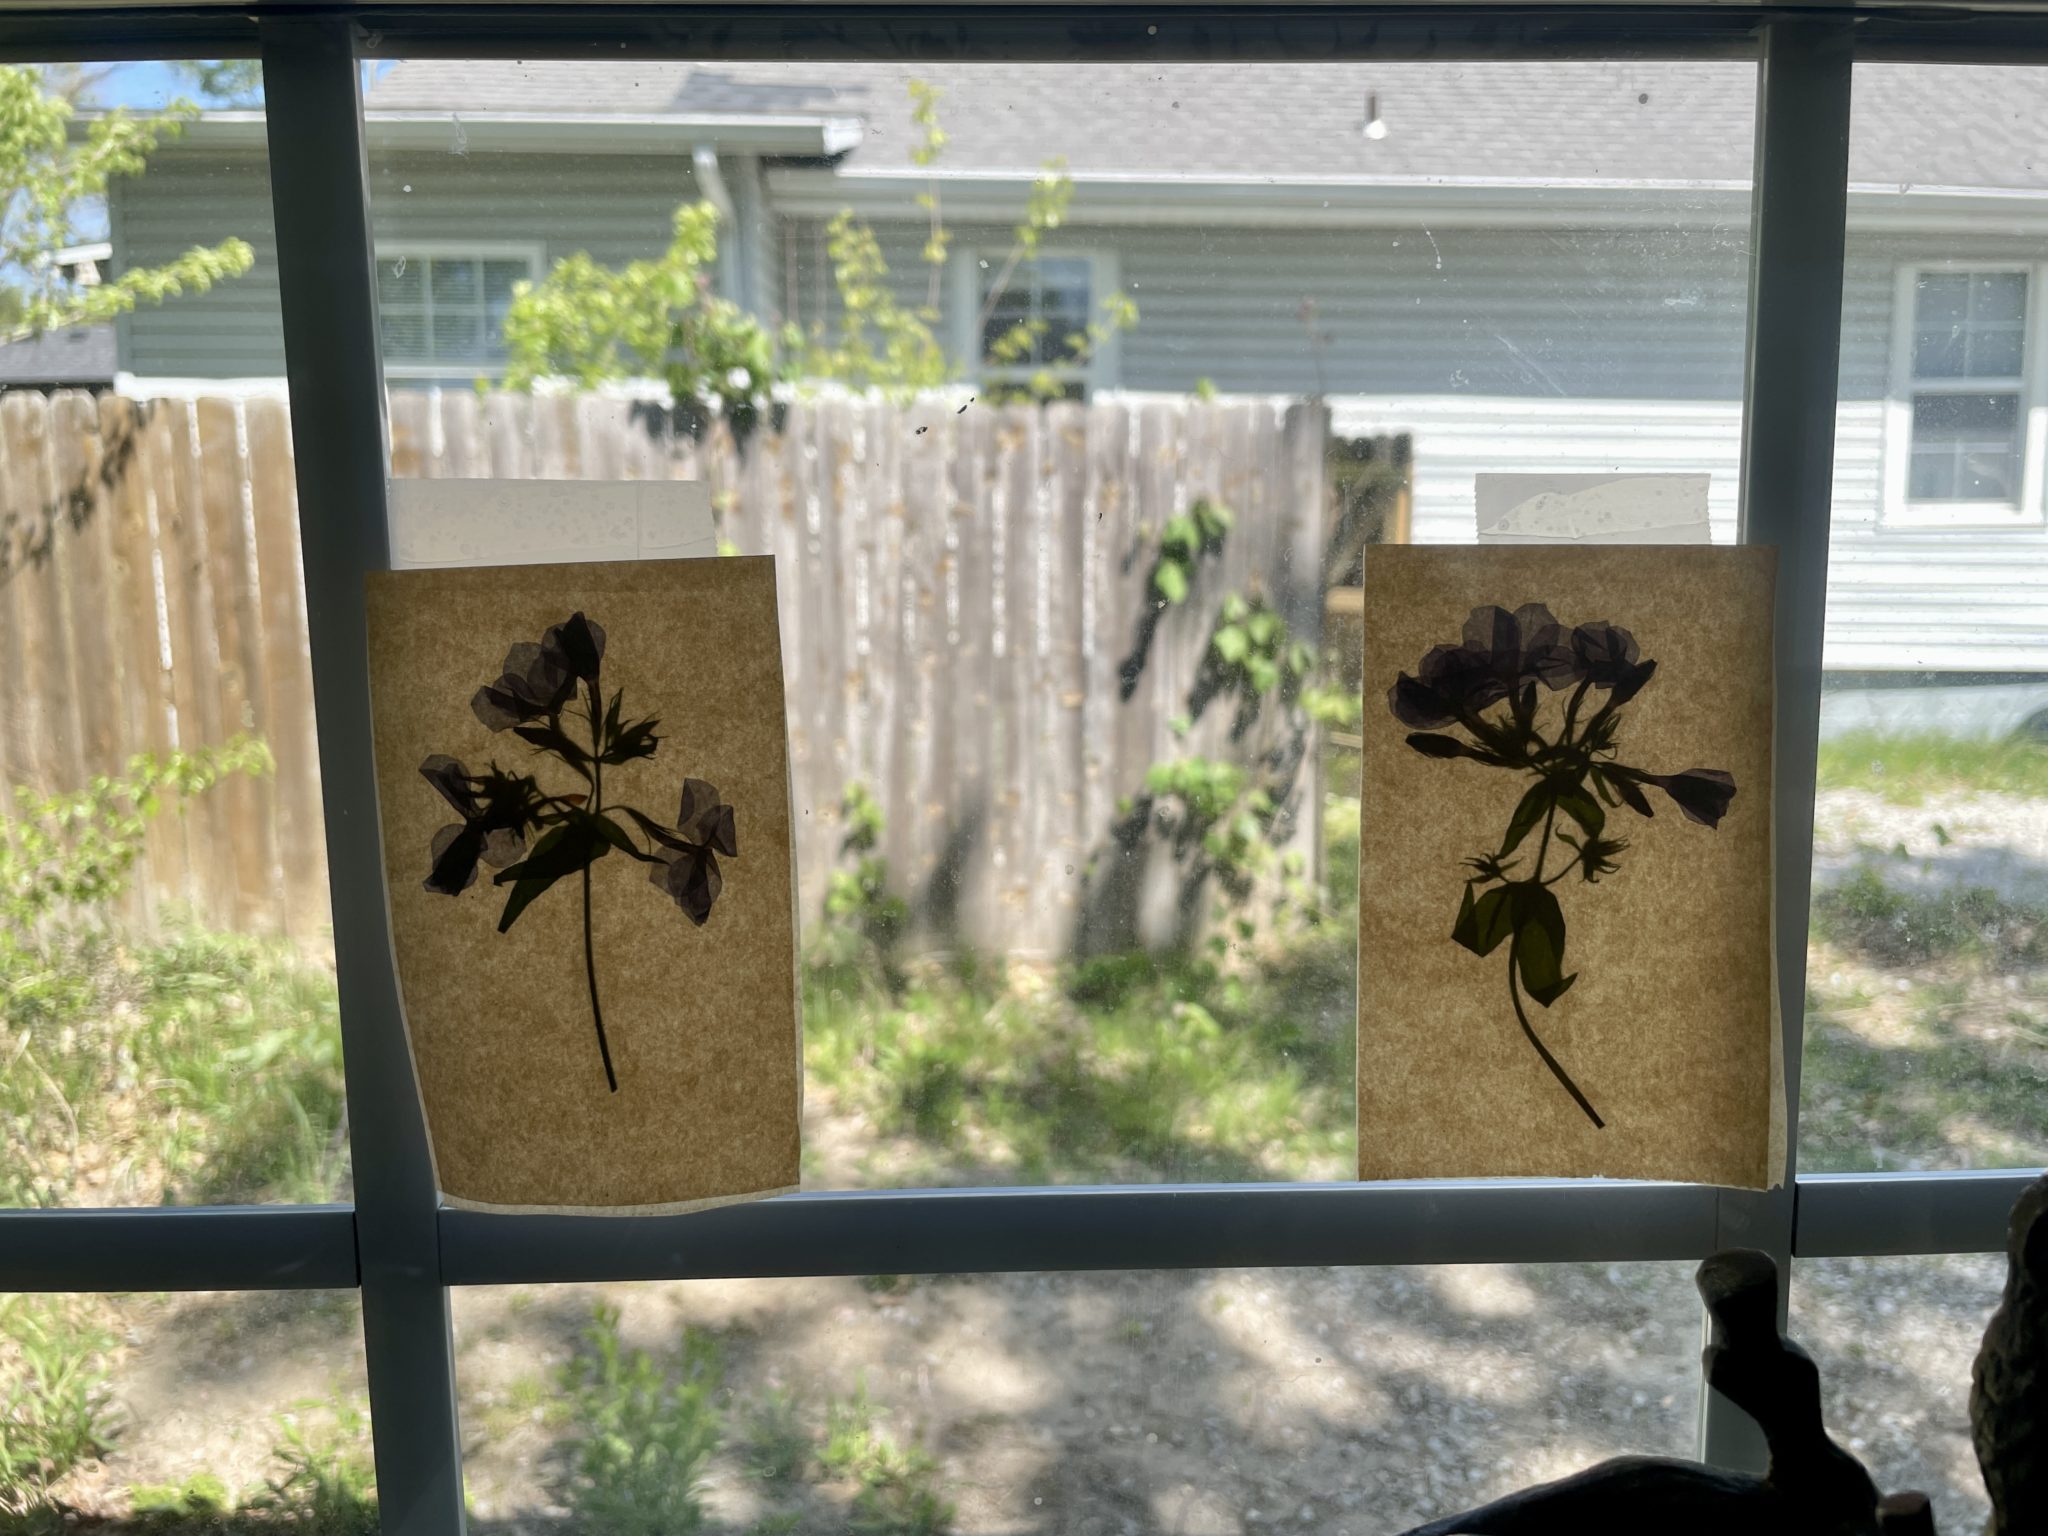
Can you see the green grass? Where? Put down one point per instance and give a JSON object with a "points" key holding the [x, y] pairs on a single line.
{"points": [[1933, 1051], [53, 1394], [644, 1431], [1865, 914], [895, 1485], [1909, 767], [202, 1070], [1132, 1067]]}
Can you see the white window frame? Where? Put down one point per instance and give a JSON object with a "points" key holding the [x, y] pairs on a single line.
{"points": [[1899, 511], [532, 252], [1104, 363]]}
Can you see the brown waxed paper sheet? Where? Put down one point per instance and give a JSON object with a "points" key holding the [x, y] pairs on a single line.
{"points": [[1670, 1030], [702, 1022]]}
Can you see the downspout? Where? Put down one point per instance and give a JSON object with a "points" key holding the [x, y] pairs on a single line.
{"points": [[711, 184]]}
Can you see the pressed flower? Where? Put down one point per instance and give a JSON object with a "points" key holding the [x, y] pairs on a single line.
{"points": [[1523, 646], [535, 697], [1608, 657], [495, 810], [1511, 657], [1703, 794], [689, 850]]}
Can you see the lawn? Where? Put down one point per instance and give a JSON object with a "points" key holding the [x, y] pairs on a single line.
{"points": [[1906, 768]]}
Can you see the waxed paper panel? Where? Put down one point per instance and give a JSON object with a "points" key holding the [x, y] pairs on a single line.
{"points": [[1658, 972], [700, 1020]]}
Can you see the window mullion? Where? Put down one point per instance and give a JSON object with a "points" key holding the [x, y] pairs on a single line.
{"points": [[327, 285], [1798, 226]]}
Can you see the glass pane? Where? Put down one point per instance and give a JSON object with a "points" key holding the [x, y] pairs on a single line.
{"points": [[168, 1030], [1941, 354], [1965, 448], [1064, 916], [1895, 1339], [1927, 983], [500, 278], [1998, 298], [1995, 351], [458, 336], [1969, 325], [405, 335], [185, 1414], [401, 280], [454, 281], [1360, 1401]]}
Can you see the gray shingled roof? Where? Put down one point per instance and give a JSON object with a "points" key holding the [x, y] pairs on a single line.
{"points": [[1537, 122], [82, 355]]}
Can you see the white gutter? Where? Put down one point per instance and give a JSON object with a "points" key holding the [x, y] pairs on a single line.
{"points": [[557, 132], [1131, 198]]}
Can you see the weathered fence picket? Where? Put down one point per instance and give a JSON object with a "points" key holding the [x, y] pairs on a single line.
{"points": [[968, 625]]}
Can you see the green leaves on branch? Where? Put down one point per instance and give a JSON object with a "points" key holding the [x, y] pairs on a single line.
{"points": [[658, 319], [1184, 541], [1254, 652], [47, 181], [78, 849]]}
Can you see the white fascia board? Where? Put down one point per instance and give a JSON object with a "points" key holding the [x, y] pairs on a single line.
{"points": [[1443, 202], [583, 133]]}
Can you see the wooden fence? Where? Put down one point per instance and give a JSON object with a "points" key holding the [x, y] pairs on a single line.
{"points": [[968, 624]]}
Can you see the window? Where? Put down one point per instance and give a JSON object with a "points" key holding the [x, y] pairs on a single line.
{"points": [[444, 308], [1962, 448], [1032, 318], [1192, 1376]]}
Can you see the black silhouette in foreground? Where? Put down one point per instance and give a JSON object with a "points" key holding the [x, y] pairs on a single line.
{"points": [[1813, 1487]]}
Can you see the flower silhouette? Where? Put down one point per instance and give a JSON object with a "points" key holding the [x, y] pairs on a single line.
{"points": [[532, 838], [1513, 658]]}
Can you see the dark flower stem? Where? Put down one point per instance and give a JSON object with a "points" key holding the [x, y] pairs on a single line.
{"points": [[1550, 1061], [1515, 992], [589, 957]]}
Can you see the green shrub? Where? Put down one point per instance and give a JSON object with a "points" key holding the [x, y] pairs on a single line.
{"points": [[53, 1395], [895, 1491], [1866, 913], [644, 1431], [72, 852], [204, 1069], [328, 1482], [775, 1446]]}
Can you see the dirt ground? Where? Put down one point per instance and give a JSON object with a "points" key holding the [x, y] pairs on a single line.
{"points": [[1197, 1403]]}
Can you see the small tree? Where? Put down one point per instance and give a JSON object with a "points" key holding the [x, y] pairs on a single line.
{"points": [[661, 319], [50, 183], [655, 319]]}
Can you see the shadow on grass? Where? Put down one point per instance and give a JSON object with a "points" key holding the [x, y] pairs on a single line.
{"points": [[1126, 1067]]}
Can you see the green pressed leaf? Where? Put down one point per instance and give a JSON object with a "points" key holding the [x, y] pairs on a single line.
{"points": [[1484, 922], [1539, 943], [567, 849], [1535, 806], [1582, 808]]}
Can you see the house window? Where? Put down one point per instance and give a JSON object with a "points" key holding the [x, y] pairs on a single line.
{"points": [[443, 311], [1032, 319], [1962, 446]]}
